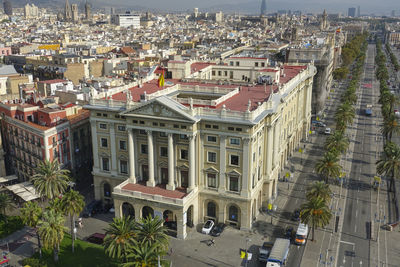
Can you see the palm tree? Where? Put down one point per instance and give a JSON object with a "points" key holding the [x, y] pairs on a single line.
{"points": [[316, 213], [345, 112], [390, 99], [51, 229], [328, 166], [390, 126], [72, 203], [31, 214], [337, 141], [55, 204], [389, 163], [143, 254], [153, 231], [50, 180], [119, 236], [5, 203], [319, 190]]}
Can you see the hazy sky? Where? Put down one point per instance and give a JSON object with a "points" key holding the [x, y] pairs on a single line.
{"points": [[367, 6]]}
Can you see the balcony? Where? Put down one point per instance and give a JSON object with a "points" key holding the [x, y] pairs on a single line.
{"points": [[157, 193]]}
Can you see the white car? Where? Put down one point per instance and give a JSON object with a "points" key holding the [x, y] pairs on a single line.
{"points": [[327, 131], [208, 226]]}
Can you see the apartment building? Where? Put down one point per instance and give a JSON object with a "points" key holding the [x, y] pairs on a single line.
{"points": [[36, 132], [192, 151]]}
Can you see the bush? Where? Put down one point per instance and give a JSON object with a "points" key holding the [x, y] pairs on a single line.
{"points": [[9, 225], [33, 262]]}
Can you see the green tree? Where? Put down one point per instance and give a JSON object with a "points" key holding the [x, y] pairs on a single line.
{"points": [[120, 235], [5, 203], [50, 180], [72, 203], [153, 231], [345, 112], [389, 162], [31, 214], [390, 126], [328, 166], [340, 73], [143, 254], [316, 213], [337, 141], [319, 190], [51, 229]]}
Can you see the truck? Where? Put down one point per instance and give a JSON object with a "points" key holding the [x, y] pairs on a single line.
{"points": [[279, 253]]}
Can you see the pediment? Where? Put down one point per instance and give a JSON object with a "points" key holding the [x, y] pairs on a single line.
{"points": [[161, 108]]}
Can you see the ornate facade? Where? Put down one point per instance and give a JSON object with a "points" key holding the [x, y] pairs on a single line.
{"points": [[189, 152]]}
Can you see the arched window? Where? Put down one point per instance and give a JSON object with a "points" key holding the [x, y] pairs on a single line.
{"points": [[233, 213], [211, 209]]}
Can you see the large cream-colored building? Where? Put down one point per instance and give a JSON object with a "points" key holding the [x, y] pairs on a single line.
{"points": [[192, 151]]}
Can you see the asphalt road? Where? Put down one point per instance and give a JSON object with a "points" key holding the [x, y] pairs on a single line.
{"points": [[354, 247]]}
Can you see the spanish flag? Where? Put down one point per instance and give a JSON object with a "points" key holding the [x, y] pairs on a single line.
{"points": [[161, 80]]}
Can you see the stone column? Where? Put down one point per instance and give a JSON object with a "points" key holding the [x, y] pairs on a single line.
{"points": [[150, 149], [192, 162], [171, 167], [246, 167], [131, 151], [222, 163], [114, 167], [269, 151], [47, 153], [276, 142]]}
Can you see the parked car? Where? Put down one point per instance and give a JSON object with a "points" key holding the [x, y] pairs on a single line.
{"points": [[92, 208], [208, 227], [318, 124], [328, 131], [264, 251], [96, 238], [218, 229], [296, 215]]}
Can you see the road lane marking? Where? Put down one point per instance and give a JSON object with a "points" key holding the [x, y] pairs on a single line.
{"points": [[356, 213], [355, 228]]}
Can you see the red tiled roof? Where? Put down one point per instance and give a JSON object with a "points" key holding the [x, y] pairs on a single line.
{"points": [[199, 66], [157, 190], [82, 114]]}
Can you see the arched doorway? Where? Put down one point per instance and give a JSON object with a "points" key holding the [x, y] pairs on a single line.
{"points": [[211, 211], [147, 211], [234, 215], [128, 210], [169, 220], [189, 215]]}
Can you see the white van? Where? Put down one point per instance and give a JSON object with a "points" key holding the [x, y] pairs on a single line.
{"points": [[301, 234]]}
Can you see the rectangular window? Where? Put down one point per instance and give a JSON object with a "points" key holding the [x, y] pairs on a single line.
{"points": [[121, 128], [225, 73], [237, 63], [208, 126], [254, 156], [231, 63], [215, 126], [234, 183], [234, 160], [104, 114], [176, 126], [213, 73], [239, 129], [212, 157], [122, 144], [162, 134], [212, 138], [231, 128], [184, 154], [235, 141], [144, 149], [219, 73], [256, 64], [262, 64], [123, 166], [143, 132], [183, 136], [163, 151], [98, 114], [104, 142], [103, 126], [106, 166], [259, 151], [212, 180]]}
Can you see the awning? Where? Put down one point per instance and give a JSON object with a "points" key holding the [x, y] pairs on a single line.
{"points": [[8, 178], [24, 190]]}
